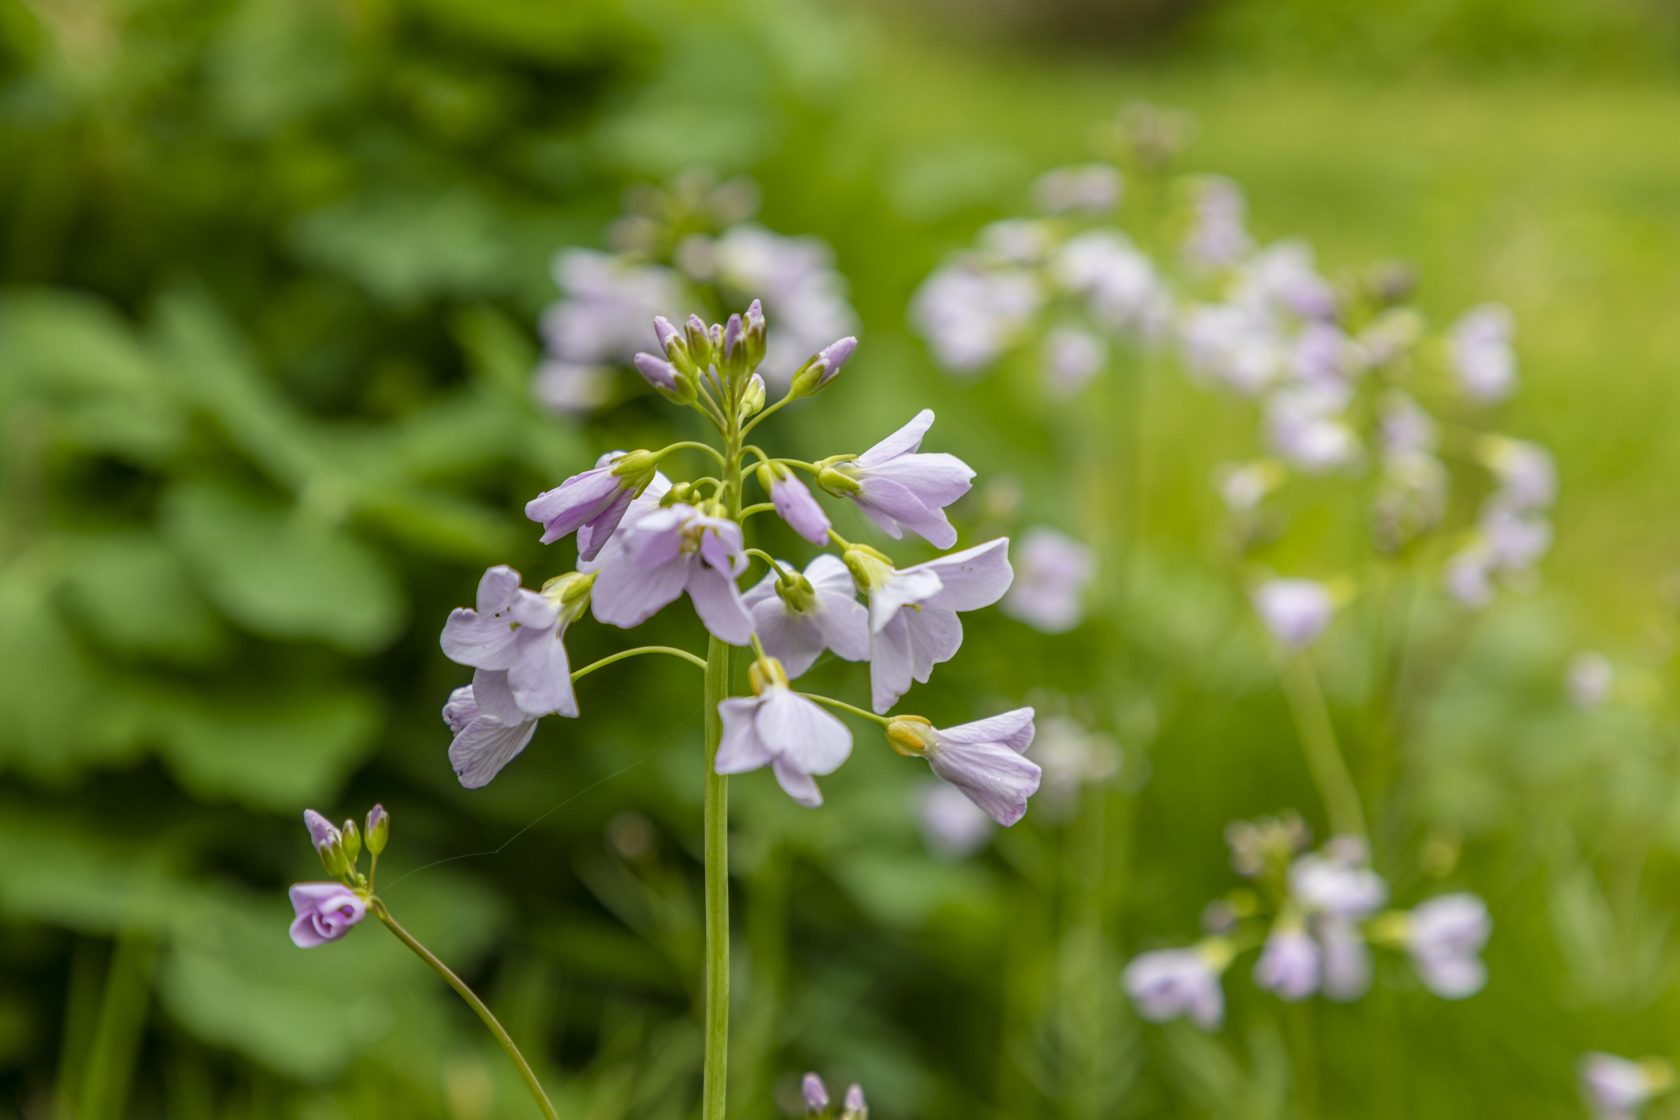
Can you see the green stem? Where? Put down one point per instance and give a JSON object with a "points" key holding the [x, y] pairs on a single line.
{"points": [[1318, 739], [693, 445], [669, 651], [765, 415], [466, 993], [841, 705], [755, 510], [782, 573]]}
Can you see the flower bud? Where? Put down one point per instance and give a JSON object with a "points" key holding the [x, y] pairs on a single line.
{"points": [[856, 1107], [755, 334], [870, 569], [352, 843], [667, 380], [815, 1094], [333, 860], [699, 339], [910, 736], [378, 829], [837, 482], [814, 376], [570, 593], [766, 671], [636, 468], [752, 397]]}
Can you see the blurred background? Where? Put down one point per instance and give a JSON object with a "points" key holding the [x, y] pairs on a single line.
{"points": [[271, 275]]}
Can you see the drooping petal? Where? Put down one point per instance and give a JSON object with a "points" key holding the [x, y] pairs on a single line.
{"points": [[627, 596], [801, 734], [935, 636], [541, 678], [889, 664], [593, 534], [485, 746], [658, 537], [798, 784], [937, 479], [1014, 729], [740, 749], [894, 507], [718, 603], [994, 776], [493, 694], [906, 587], [973, 578]]}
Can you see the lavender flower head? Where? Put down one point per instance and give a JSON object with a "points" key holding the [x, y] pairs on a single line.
{"points": [[325, 912], [899, 487], [1179, 983], [1289, 963], [1445, 936], [814, 1093], [1052, 572], [1482, 355], [984, 759], [1618, 1088], [779, 728], [1295, 611]]}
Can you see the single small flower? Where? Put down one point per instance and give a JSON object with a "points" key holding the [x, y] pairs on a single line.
{"points": [[970, 313], [815, 611], [1072, 356], [1218, 234], [952, 825], [1619, 1088], [515, 639], [1482, 355], [1330, 882], [856, 1108], [913, 620], [1052, 572], [1306, 427], [813, 377], [794, 502], [1295, 611], [985, 759], [1445, 937], [1289, 963], [899, 487], [666, 551], [779, 728], [1118, 282], [1172, 983], [592, 503], [1345, 958], [1526, 472], [815, 1093], [1590, 679], [483, 744], [325, 912]]}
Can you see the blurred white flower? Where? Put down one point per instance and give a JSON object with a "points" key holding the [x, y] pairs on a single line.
{"points": [[1589, 679], [1052, 571]]}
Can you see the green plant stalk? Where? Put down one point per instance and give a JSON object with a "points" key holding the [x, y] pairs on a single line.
{"points": [[484, 1013], [1318, 740], [719, 673]]}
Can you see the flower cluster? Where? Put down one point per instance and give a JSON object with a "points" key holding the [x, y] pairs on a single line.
{"points": [[1314, 917], [326, 911], [814, 1093], [646, 539], [1346, 380], [692, 244]]}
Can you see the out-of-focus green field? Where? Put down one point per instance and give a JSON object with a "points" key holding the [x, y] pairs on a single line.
{"points": [[271, 277]]}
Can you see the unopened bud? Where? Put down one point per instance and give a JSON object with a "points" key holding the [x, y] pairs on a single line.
{"points": [[333, 859], [815, 1094], [378, 829], [699, 341], [352, 843], [636, 468], [813, 377], [569, 593], [856, 1107], [669, 381], [755, 334], [752, 397], [870, 569], [837, 482]]}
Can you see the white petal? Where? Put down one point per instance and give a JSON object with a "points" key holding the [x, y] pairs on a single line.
{"points": [[485, 746], [935, 637], [740, 749], [903, 588], [542, 676], [994, 777], [494, 696], [1013, 729], [906, 439], [889, 664], [718, 603], [626, 596], [800, 733], [799, 785], [793, 639], [973, 578], [844, 624]]}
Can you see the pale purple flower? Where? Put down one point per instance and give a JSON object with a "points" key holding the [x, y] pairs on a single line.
{"points": [[483, 744], [515, 641], [952, 825], [899, 487], [815, 1093], [1015, 240], [1406, 428], [1282, 277], [970, 313], [1295, 611], [662, 552], [1305, 426], [913, 620], [1468, 576], [1324, 354], [1526, 473], [1344, 957], [1170, 983], [1093, 188], [325, 912], [783, 730], [1331, 883], [1243, 486], [1482, 355], [818, 611], [1072, 757], [823, 367], [1289, 963], [856, 1108], [322, 832], [1445, 936], [658, 372], [1118, 282], [985, 759], [1233, 344], [796, 277], [1589, 679], [1515, 540], [794, 502], [574, 388], [1052, 572], [1619, 1089], [1072, 356], [606, 304], [590, 504], [1218, 233]]}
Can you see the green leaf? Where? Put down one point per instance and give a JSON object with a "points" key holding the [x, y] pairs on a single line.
{"points": [[64, 871], [133, 595], [283, 572]]}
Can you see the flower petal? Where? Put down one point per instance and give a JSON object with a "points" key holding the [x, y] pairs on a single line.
{"points": [[485, 746], [906, 439], [800, 733], [718, 603], [993, 776], [627, 596], [1014, 729], [494, 696], [541, 678], [798, 784], [740, 749], [889, 664], [973, 578]]}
